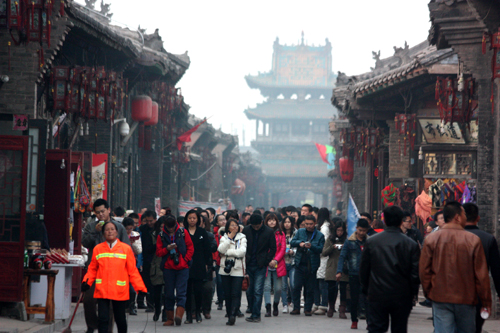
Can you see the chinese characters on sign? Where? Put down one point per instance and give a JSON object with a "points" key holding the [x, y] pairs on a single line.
{"points": [[435, 132], [20, 122]]}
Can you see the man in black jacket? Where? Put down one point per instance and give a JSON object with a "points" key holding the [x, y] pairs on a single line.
{"points": [[389, 275], [491, 252], [261, 248], [148, 251]]}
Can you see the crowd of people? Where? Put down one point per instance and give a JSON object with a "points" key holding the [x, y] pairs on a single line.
{"points": [[303, 257]]}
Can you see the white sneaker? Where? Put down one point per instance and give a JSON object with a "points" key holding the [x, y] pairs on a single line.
{"points": [[285, 308]]}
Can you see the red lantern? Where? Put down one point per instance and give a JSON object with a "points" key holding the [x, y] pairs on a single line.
{"points": [[346, 169], [142, 108], [154, 115]]}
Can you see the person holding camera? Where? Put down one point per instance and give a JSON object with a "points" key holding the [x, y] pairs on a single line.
{"points": [[309, 242], [201, 265], [232, 248], [276, 268], [175, 247], [333, 246]]}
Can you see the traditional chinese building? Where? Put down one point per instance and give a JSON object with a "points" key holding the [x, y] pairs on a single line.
{"points": [[294, 117]]}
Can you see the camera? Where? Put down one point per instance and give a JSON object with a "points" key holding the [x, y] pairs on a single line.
{"points": [[229, 264], [175, 257]]}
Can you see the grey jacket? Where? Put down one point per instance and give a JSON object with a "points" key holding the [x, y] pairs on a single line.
{"points": [[92, 237]]}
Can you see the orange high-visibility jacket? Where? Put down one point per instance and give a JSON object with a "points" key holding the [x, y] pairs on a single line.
{"points": [[112, 269]]}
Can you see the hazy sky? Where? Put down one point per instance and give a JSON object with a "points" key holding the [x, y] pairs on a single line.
{"points": [[227, 40]]}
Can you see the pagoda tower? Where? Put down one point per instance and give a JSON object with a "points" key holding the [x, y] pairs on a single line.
{"points": [[294, 116]]}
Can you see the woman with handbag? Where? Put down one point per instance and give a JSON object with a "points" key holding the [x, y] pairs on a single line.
{"points": [[232, 248]]}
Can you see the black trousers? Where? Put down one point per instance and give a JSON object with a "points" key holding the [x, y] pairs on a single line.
{"points": [[232, 293], [479, 319], [157, 297], [119, 308], [333, 291], [146, 277], [133, 295], [194, 288], [207, 296], [398, 310], [355, 291], [90, 310]]}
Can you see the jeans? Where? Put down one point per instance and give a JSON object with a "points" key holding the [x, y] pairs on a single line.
{"points": [[218, 285], [175, 287], [286, 288], [277, 287], [459, 318], [232, 290], [398, 310], [119, 308], [303, 278], [355, 291], [255, 290], [194, 288], [333, 290], [321, 293]]}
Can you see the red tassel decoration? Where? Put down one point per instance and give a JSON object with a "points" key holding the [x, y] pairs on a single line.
{"points": [[61, 8], [33, 15], [8, 43]]}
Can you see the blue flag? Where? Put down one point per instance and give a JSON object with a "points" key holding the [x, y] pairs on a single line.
{"points": [[352, 216]]}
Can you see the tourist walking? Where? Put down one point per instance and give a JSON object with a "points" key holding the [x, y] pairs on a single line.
{"points": [[176, 249], [333, 247], [276, 268], [201, 264], [220, 223], [112, 268], [389, 275], [309, 242], [232, 248], [135, 240], [491, 253], [321, 287], [288, 227], [148, 219], [261, 245], [451, 258], [156, 274], [351, 254]]}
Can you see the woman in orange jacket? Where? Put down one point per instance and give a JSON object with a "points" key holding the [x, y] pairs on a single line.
{"points": [[112, 268]]}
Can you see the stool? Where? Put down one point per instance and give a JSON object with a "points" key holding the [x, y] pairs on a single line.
{"points": [[49, 307]]}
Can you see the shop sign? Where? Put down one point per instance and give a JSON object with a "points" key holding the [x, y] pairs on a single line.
{"points": [[99, 176], [435, 132]]}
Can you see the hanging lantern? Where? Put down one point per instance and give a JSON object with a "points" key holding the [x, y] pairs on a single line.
{"points": [[346, 169], [154, 115], [142, 108]]}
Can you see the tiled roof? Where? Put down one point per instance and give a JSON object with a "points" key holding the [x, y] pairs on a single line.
{"points": [[131, 41]]}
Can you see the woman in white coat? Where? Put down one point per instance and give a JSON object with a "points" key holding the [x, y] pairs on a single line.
{"points": [[232, 249]]}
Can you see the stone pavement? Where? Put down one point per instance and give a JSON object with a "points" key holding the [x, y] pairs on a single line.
{"points": [[418, 323]]}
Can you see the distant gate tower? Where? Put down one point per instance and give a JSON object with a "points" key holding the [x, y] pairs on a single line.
{"points": [[294, 117]]}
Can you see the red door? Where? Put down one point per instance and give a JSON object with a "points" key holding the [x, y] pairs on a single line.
{"points": [[13, 175]]}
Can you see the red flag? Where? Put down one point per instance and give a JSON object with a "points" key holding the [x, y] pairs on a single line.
{"points": [[186, 136]]}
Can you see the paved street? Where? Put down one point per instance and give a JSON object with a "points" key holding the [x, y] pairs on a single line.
{"points": [[284, 322]]}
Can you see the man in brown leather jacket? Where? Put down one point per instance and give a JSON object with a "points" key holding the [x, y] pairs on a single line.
{"points": [[454, 273]]}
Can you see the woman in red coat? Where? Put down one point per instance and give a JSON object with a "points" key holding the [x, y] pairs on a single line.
{"points": [[277, 267], [113, 269]]}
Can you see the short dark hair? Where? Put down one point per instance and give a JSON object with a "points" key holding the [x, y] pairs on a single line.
{"points": [[169, 221], [257, 212], [393, 216], [437, 215], [101, 202], [290, 209], [232, 214], [198, 217], [256, 219], [471, 211], [245, 215], [450, 210], [119, 211], [405, 214], [133, 215], [367, 215], [104, 225], [180, 219], [128, 221], [310, 218], [308, 206], [362, 223], [167, 210], [272, 207], [315, 209], [211, 210], [149, 213]]}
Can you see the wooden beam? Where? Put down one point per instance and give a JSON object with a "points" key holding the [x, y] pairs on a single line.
{"points": [[73, 138]]}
